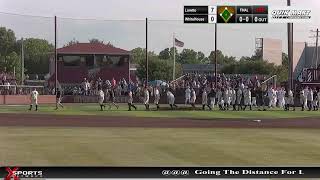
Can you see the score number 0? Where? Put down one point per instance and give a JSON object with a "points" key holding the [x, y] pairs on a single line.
{"points": [[212, 19], [246, 19]]}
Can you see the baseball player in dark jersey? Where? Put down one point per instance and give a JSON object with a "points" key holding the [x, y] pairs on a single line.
{"points": [[260, 94], [289, 100], [112, 99], [58, 99], [212, 98]]}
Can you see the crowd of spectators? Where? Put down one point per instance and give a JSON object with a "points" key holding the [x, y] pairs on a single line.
{"points": [[7, 82], [10, 86], [91, 87]]}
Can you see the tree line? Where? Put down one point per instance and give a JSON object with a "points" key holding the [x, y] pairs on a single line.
{"points": [[37, 53], [161, 65]]}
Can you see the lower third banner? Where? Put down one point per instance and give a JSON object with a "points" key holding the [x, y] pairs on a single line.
{"points": [[158, 172]]}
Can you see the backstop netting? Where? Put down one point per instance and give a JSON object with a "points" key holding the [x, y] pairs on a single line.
{"points": [[25, 54]]}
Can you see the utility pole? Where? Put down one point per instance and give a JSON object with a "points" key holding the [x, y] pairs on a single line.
{"points": [[55, 55], [317, 51], [174, 57], [290, 51], [215, 56], [147, 62], [317, 54], [22, 62]]}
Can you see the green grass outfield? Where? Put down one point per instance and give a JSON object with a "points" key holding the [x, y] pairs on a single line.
{"points": [[93, 146], [157, 147], [93, 109]]}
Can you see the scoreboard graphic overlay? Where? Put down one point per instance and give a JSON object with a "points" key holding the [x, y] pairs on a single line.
{"points": [[226, 14]]}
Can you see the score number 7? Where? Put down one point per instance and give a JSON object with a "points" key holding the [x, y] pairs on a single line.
{"points": [[212, 9]]}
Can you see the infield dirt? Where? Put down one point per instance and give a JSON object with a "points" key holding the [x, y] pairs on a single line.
{"points": [[105, 121]]}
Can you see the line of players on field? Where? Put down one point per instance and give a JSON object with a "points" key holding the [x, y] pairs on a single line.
{"points": [[226, 98], [34, 99], [236, 99]]}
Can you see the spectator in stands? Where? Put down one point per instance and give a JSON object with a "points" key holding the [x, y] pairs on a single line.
{"points": [[75, 91], [86, 86], [108, 84], [7, 87], [91, 85], [20, 91], [99, 83], [80, 91], [114, 82], [14, 89]]}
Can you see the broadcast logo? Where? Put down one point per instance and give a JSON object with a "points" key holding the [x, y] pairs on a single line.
{"points": [[175, 172], [16, 174], [290, 15]]}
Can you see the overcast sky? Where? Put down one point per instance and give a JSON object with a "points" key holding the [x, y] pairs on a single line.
{"points": [[165, 19]]}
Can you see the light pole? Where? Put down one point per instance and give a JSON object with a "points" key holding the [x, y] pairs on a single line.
{"points": [[290, 51], [146, 60], [215, 56]]}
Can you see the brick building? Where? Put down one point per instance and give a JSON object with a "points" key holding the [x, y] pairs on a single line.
{"points": [[90, 60]]}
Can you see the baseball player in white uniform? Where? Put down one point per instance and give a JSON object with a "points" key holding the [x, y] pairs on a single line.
{"points": [[171, 99], [146, 97], [281, 97], [157, 97], [220, 101], [101, 99], [205, 100], [239, 98], [34, 99], [318, 98], [130, 101], [187, 95], [254, 97], [226, 99], [305, 98], [274, 101], [270, 96], [289, 100], [233, 98], [309, 99], [193, 98], [86, 87], [247, 98]]}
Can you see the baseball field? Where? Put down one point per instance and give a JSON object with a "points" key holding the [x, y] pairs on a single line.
{"points": [[83, 135]]}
